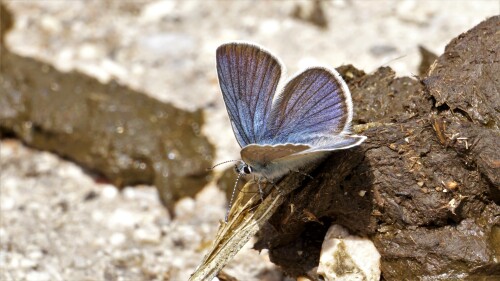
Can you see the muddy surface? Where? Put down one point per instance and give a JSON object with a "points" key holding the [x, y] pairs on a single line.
{"points": [[384, 98], [120, 133], [424, 186]]}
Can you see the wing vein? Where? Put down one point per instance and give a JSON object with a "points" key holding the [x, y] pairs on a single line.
{"points": [[238, 122], [297, 100]]}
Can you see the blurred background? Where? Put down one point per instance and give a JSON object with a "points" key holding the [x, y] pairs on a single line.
{"points": [[61, 219]]}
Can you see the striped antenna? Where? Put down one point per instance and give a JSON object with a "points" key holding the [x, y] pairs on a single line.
{"points": [[232, 196], [228, 161]]}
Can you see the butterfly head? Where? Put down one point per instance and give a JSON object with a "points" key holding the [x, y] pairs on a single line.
{"points": [[243, 168]]}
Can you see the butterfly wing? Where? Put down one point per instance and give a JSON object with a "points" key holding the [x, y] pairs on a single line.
{"points": [[314, 104], [265, 159], [262, 155], [273, 161], [248, 77]]}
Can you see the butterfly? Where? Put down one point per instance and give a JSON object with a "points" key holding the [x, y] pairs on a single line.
{"points": [[278, 133]]}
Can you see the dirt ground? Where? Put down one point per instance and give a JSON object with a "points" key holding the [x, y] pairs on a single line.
{"points": [[61, 222]]}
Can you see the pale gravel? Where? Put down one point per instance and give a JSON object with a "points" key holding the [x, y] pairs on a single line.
{"points": [[50, 231]]}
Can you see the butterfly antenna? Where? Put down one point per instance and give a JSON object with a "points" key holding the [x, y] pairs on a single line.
{"points": [[232, 197], [228, 161], [390, 61], [395, 59]]}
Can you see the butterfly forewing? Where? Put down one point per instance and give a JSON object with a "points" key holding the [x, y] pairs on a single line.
{"points": [[256, 155], [314, 103], [248, 77]]}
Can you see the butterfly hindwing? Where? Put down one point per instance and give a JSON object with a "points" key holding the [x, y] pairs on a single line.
{"points": [[315, 103], [248, 77]]}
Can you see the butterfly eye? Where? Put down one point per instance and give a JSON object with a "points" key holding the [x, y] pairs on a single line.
{"points": [[247, 170]]}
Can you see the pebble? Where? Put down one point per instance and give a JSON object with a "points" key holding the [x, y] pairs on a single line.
{"points": [[80, 262], [4, 235], [168, 44], [185, 207], [27, 263], [38, 276], [154, 11], [269, 26], [109, 192], [88, 51], [114, 69], [97, 215], [35, 255], [7, 203], [148, 235], [345, 257], [117, 239], [51, 24], [131, 258], [123, 218]]}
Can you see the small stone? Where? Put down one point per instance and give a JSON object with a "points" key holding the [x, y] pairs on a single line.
{"points": [[185, 207], [123, 218], [38, 276], [130, 258], [452, 185], [151, 235], [156, 10], [117, 239], [129, 193], [80, 262], [51, 24], [88, 51], [97, 215], [347, 257], [270, 26], [27, 263], [7, 203], [109, 192], [35, 255], [114, 69]]}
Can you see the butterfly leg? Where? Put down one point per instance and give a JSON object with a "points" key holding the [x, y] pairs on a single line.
{"points": [[302, 173], [275, 185], [261, 192]]}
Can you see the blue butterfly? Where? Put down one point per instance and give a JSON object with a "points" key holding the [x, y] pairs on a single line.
{"points": [[309, 118]]}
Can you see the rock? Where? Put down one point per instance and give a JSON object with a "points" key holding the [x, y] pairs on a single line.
{"points": [[345, 257]]}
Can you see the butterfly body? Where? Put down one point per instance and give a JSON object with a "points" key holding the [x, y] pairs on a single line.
{"points": [[309, 118]]}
